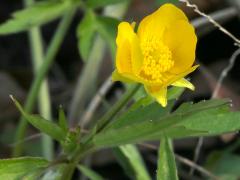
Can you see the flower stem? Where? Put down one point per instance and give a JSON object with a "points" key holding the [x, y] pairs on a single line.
{"points": [[87, 145], [117, 107], [36, 45], [48, 60], [103, 122]]}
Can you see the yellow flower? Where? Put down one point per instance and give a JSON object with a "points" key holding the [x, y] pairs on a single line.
{"points": [[160, 54]]}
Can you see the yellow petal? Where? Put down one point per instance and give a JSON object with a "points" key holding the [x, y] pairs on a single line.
{"points": [[153, 25], [125, 32], [118, 77], [184, 83], [181, 39], [159, 93], [129, 56], [123, 58], [123, 55], [137, 57], [124, 77], [169, 78], [173, 77]]}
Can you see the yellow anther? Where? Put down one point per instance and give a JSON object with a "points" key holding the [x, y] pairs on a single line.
{"points": [[157, 60]]}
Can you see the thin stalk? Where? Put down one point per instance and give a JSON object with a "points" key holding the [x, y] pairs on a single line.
{"points": [[104, 121], [48, 60], [87, 145], [36, 45], [117, 107]]}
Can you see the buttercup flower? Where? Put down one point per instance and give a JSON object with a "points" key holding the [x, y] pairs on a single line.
{"points": [[161, 53]]}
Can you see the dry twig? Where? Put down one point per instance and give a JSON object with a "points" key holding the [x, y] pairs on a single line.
{"points": [[215, 23], [197, 153], [29, 138], [96, 100], [221, 78], [225, 72]]}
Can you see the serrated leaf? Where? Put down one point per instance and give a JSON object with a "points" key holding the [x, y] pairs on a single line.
{"points": [[132, 162], [166, 161], [42, 124], [143, 125], [101, 3], [213, 122], [139, 115], [85, 34], [35, 15], [134, 133], [20, 168], [89, 173], [202, 105]]}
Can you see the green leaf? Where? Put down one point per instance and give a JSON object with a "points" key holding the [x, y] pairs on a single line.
{"points": [[42, 124], [203, 105], [107, 28], [224, 165], [132, 162], [166, 161], [139, 115], [22, 168], [175, 92], [197, 120], [212, 122], [87, 28], [101, 3], [62, 121], [54, 173], [89, 173], [36, 15], [85, 34]]}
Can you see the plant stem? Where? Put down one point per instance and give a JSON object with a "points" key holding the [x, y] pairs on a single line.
{"points": [[117, 107], [87, 145], [36, 45], [48, 60]]}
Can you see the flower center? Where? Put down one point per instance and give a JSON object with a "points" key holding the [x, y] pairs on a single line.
{"points": [[157, 59]]}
